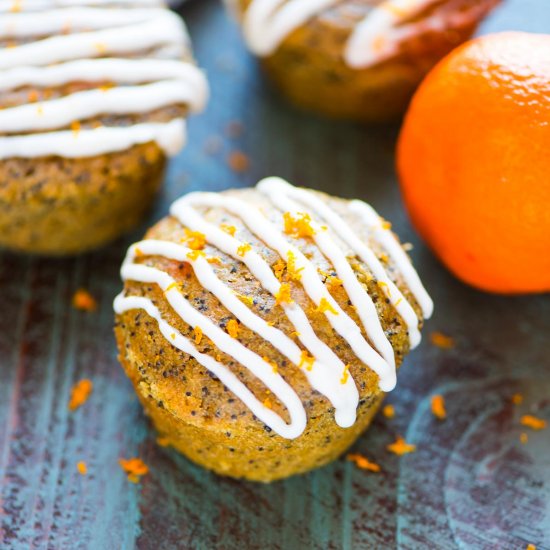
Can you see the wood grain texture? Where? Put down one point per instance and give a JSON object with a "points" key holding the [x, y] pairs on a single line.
{"points": [[471, 484]]}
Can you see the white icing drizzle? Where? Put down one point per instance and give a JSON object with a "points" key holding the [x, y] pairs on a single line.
{"points": [[267, 232], [326, 373], [15, 6], [58, 113], [82, 43], [387, 239], [267, 23], [279, 190], [170, 137], [266, 415]]}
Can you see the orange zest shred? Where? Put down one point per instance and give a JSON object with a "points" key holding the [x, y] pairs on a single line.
{"points": [[388, 411], [80, 393], [75, 126], [238, 161], [324, 306], [386, 224], [531, 547], [293, 273], [267, 402], [438, 407], [299, 226], [84, 301], [243, 249], [401, 447], [306, 361], [232, 328], [198, 335], [214, 260], [134, 467], [194, 254], [248, 300], [440, 340], [345, 375], [363, 462], [278, 268], [195, 240], [171, 286], [333, 281], [274, 365], [82, 468], [517, 399], [533, 422], [229, 229], [524, 438], [283, 295]]}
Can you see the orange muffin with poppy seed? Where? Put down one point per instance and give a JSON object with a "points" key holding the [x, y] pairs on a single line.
{"points": [[261, 327], [356, 59], [93, 100]]}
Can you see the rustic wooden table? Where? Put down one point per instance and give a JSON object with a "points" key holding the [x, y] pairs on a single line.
{"points": [[471, 483]]}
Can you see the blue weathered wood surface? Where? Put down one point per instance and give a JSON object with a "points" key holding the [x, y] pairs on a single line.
{"points": [[471, 484]]}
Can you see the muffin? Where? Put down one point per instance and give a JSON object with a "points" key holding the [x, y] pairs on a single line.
{"points": [[355, 59], [93, 99], [261, 327]]}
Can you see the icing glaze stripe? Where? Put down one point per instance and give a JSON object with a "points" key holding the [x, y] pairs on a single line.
{"points": [[59, 113], [225, 343], [15, 6], [267, 416], [294, 313], [311, 281], [277, 189], [85, 143], [324, 378], [387, 239], [117, 71], [161, 31]]}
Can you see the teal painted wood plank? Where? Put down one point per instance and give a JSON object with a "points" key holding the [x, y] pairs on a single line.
{"points": [[469, 485]]}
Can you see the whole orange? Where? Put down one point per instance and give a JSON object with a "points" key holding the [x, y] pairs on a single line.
{"points": [[474, 162]]}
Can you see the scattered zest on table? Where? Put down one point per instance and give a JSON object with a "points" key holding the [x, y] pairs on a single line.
{"points": [[401, 447], [84, 301], [238, 161], [388, 411], [533, 422], [134, 467], [438, 407], [363, 462], [517, 399], [80, 393], [440, 340], [82, 468]]}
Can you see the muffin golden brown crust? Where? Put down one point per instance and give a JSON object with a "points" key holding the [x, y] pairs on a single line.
{"points": [[58, 206], [309, 67], [191, 407]]}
